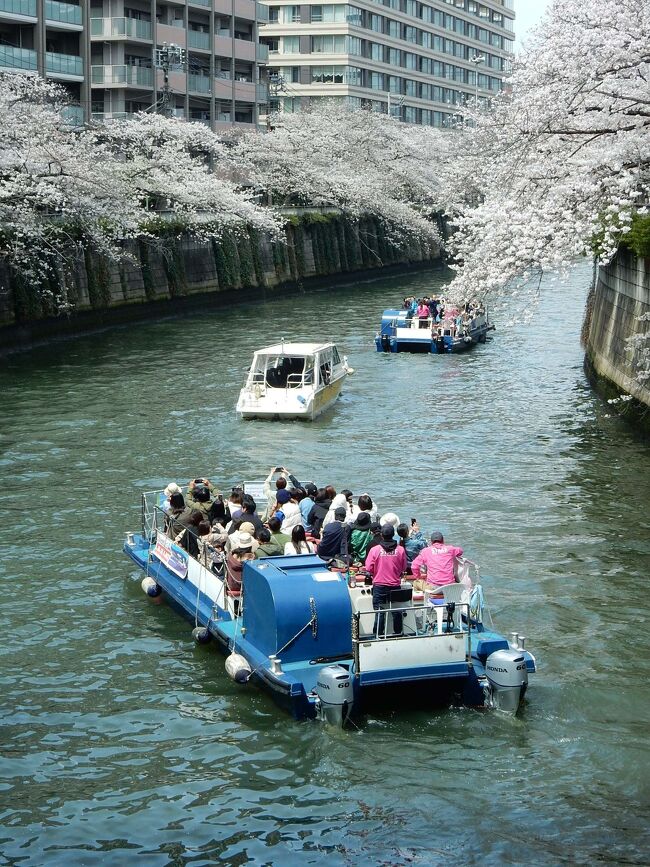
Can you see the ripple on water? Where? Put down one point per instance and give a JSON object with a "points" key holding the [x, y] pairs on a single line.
{"points": [[123, 741]]}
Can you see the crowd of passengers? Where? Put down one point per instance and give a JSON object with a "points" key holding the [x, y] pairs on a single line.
{"points": [[427, 311], [303, 519]]}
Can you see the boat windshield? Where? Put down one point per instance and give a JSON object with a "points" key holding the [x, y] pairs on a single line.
{"points": [[284, 371]]}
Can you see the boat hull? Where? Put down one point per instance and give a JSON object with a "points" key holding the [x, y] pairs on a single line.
{"points": [[288, 405]]}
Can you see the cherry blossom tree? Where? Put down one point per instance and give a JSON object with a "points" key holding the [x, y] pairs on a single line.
{"points": [[63, 189], [561, 163], [359, 161]]}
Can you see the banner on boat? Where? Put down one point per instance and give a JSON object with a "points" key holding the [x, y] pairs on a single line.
{"points": [[173, 556]]}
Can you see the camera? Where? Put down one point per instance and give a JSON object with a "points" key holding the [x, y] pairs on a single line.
{"points": [[279, 469], [199, 481]]}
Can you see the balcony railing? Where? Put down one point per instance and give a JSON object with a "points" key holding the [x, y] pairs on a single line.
{"points": [[17, 58], [262, 13], [19, 7], [198, 39], [64, 64], [207, 3], [261, 93], [67, 13], [73, 115], [126, 28], [141, 76], [199, 83], [262, 53]]}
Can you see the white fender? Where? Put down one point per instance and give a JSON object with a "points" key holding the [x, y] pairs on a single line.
{"points": [[238, 668]]}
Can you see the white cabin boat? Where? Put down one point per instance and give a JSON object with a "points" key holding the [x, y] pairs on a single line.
{"points": [[292, 380]]}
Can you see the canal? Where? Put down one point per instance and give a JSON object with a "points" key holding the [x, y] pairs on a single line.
{"points": [[123, 743]]}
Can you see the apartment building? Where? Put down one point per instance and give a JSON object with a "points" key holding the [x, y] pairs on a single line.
{"points": [[200, 60], [420, 61]]}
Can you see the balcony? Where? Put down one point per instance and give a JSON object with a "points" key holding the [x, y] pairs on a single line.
{"points": [[64, 13], [262, 13], [121, 28], [73, 115], [17, 58], [199, 83], [262, 53], [198, 39], [19, 7], [135, 76], [64, 64]]}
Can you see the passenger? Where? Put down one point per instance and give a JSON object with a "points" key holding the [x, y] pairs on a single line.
{"points": [[247, 513], [298, 543], [291, 509], [172, 488], [375, 529], [412, 540], [386, 563], [364, 504], [236, 559], [423, 313], [211, 547], [187, 537], [339, 501], [335, 539], [438, 559], [360, 538], [270, 492], [267, 547], [233, 503], [306, 504], [178, 516], [233, 538], [277, 536], [320, 509], [390, 518]]}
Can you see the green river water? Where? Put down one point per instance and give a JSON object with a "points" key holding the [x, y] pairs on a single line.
{"points": [[125, 744]]}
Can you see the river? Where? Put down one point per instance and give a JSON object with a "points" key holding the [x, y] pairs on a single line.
{"points": [[124, 743]]}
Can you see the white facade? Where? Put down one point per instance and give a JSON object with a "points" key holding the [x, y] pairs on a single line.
{"points": [[422, 60]]}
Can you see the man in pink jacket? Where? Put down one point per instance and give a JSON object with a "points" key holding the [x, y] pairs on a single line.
{"points": [[439, 561]]}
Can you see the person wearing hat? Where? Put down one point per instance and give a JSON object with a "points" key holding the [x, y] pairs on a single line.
{"points": [[386, 563], [438, 559], [172, 488], [360, 537], [390, 518], [243, 547], [335, 538]]}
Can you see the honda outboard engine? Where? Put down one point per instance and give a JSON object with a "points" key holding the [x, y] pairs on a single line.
{"points": [[508, 678], [335, 694]]}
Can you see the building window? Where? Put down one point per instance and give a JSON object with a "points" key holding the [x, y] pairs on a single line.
{"points": [[290, 15], [376, 81], [328, 44], [377, 52], [289, 45], [354, 45], [393, 28]]}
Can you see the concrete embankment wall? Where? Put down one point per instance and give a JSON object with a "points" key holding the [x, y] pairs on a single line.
{"points": [[621, 293], [166, 275]]}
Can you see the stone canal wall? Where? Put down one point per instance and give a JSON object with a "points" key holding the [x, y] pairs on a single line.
{"points": [[619, 296], [163, 275]]}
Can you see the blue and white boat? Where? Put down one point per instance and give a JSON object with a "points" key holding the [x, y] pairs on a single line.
{"points": [[308, 634], [401, 332]]}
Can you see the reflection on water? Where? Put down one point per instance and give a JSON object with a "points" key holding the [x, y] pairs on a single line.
{"points": [[123, 739]]}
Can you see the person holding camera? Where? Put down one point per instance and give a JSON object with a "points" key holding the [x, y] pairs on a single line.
{"points": [[271, 492], [203, 496]]}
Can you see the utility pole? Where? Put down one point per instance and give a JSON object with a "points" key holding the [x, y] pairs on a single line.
{"points": [[169, 56], [477, 59]]}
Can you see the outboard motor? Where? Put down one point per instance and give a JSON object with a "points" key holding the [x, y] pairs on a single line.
{"points": [[385, 342], [335, 693], [508, 678]]}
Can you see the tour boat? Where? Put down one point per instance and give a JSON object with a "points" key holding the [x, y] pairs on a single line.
{"points": [[292, 380], [307, 633], [400, 332]]}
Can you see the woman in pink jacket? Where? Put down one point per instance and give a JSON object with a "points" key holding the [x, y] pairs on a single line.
{"points": [[386, 562]]}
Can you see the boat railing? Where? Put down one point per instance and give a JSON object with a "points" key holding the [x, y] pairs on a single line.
{"points": [[423, 619], [423, 622]]}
